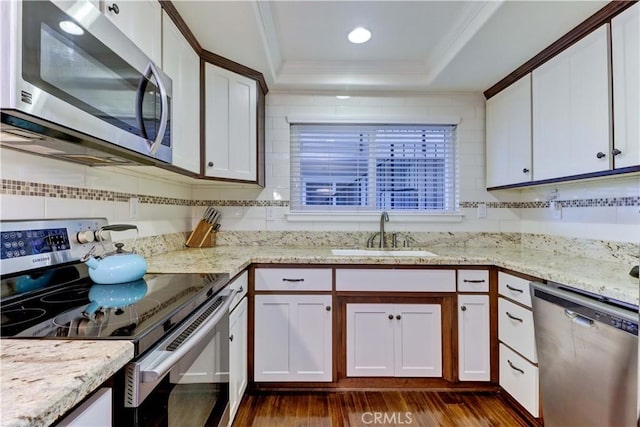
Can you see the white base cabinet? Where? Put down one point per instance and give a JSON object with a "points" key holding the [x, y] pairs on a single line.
{"points": [[94, 412], [292, 338], [474, 349], [387, 340], [238, 375]]}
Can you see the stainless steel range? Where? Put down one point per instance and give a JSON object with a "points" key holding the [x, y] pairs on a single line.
{"points": [[178, 323]]}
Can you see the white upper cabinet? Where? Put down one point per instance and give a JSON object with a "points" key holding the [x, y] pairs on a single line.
{"points": [[509, 135], [139, 20], [571, 110], [230, 125], [625, 39], [182, 65]]}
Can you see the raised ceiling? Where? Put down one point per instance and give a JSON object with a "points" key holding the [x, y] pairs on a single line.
{"points": [[422, 46]]}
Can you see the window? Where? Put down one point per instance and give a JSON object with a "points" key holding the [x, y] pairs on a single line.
{"points": [[343, 168]]}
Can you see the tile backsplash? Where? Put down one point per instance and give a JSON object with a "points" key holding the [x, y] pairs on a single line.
{"points": [[600, 216]]}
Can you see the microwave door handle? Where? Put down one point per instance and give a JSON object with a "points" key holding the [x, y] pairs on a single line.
{"points": [[164, 107], [142, 87]]}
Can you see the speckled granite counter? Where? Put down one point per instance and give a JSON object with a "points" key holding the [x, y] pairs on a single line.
{"points": [[605, 278], [43, 379]]}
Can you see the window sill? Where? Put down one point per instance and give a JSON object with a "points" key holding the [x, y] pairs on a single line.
{"points": [[372, 216]]}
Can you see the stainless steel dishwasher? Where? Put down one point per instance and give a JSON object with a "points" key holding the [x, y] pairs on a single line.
{"points": [[587, 357]]}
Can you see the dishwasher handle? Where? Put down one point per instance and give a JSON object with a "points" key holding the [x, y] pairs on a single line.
{"points": [[578, 319]]}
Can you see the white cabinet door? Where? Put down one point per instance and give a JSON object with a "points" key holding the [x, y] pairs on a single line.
{"points": [[370, 340], [519, 378], [293, 338], [418, 338], [474, 353], [237, 357], [508, 119], [182, 65], [231, 125], [140, 21], [403, 340], [93, 412], [625, 40], [571, 110]]}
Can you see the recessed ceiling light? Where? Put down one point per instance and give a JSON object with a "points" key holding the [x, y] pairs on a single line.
{"points": [[71, 28], [343, 96], [359, 35]]}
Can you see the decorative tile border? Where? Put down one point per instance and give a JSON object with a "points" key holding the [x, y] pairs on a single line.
{"points": [[25, 188]]}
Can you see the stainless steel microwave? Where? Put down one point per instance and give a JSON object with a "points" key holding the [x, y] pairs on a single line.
{"points": [[73, 86]]}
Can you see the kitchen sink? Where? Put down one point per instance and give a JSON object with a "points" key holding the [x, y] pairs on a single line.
{"points": [[381, 252]]}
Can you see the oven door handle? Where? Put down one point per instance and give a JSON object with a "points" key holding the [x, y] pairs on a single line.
{"points": [[159, 362]]}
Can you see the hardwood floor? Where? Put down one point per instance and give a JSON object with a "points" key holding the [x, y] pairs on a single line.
{"points": [[375, 408]]}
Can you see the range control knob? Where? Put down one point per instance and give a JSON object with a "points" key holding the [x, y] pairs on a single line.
{"points": [[86, 236]]}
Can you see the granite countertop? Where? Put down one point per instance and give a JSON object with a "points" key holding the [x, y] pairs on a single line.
{"points": [[606, 278], [44, 379]]}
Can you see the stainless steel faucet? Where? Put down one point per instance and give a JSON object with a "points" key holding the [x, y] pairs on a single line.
{"points": [[383, 218]]}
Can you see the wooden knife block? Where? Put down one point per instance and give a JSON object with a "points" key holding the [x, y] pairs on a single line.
{"points": [[202, 237]]}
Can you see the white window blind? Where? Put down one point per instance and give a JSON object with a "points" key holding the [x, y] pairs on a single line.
{"points": [[341, 168]]}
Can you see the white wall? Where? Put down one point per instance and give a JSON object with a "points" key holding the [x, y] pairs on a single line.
{"points": [[470, 109], [155, 216], [165, 201]]}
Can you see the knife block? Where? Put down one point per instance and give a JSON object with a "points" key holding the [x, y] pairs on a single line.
{"points": [[209, 241], [202, 237]]}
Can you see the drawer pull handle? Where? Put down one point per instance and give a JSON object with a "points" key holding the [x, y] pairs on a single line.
{"points": [[284, 279], [328, 308], [511, 288], [515, 368], [473, 281], [512, 317]]}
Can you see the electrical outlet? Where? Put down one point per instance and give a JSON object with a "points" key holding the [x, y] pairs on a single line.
{"points": [[482, 210], [133, 207], [556, 210]]}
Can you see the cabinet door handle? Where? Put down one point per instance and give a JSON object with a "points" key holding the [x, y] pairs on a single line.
{"points": [[525, 170], [615, 152], [114, 8], [515, 368], [512, 317], [284, 279], [391, 317], [473, 281], [600, 155], [240, 289], [328, 308], [511, 288], [231, 337], [210, 164], [398, 317], [463, 308]]}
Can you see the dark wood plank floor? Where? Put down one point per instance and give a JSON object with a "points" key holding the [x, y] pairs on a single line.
{"points": [[375, 408]]}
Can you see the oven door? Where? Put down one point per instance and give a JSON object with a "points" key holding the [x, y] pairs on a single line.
{"points": [[184, 380], [75, 69]]}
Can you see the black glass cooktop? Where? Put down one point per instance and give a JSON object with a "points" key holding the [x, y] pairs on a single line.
{"points": [[65, 304]]}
